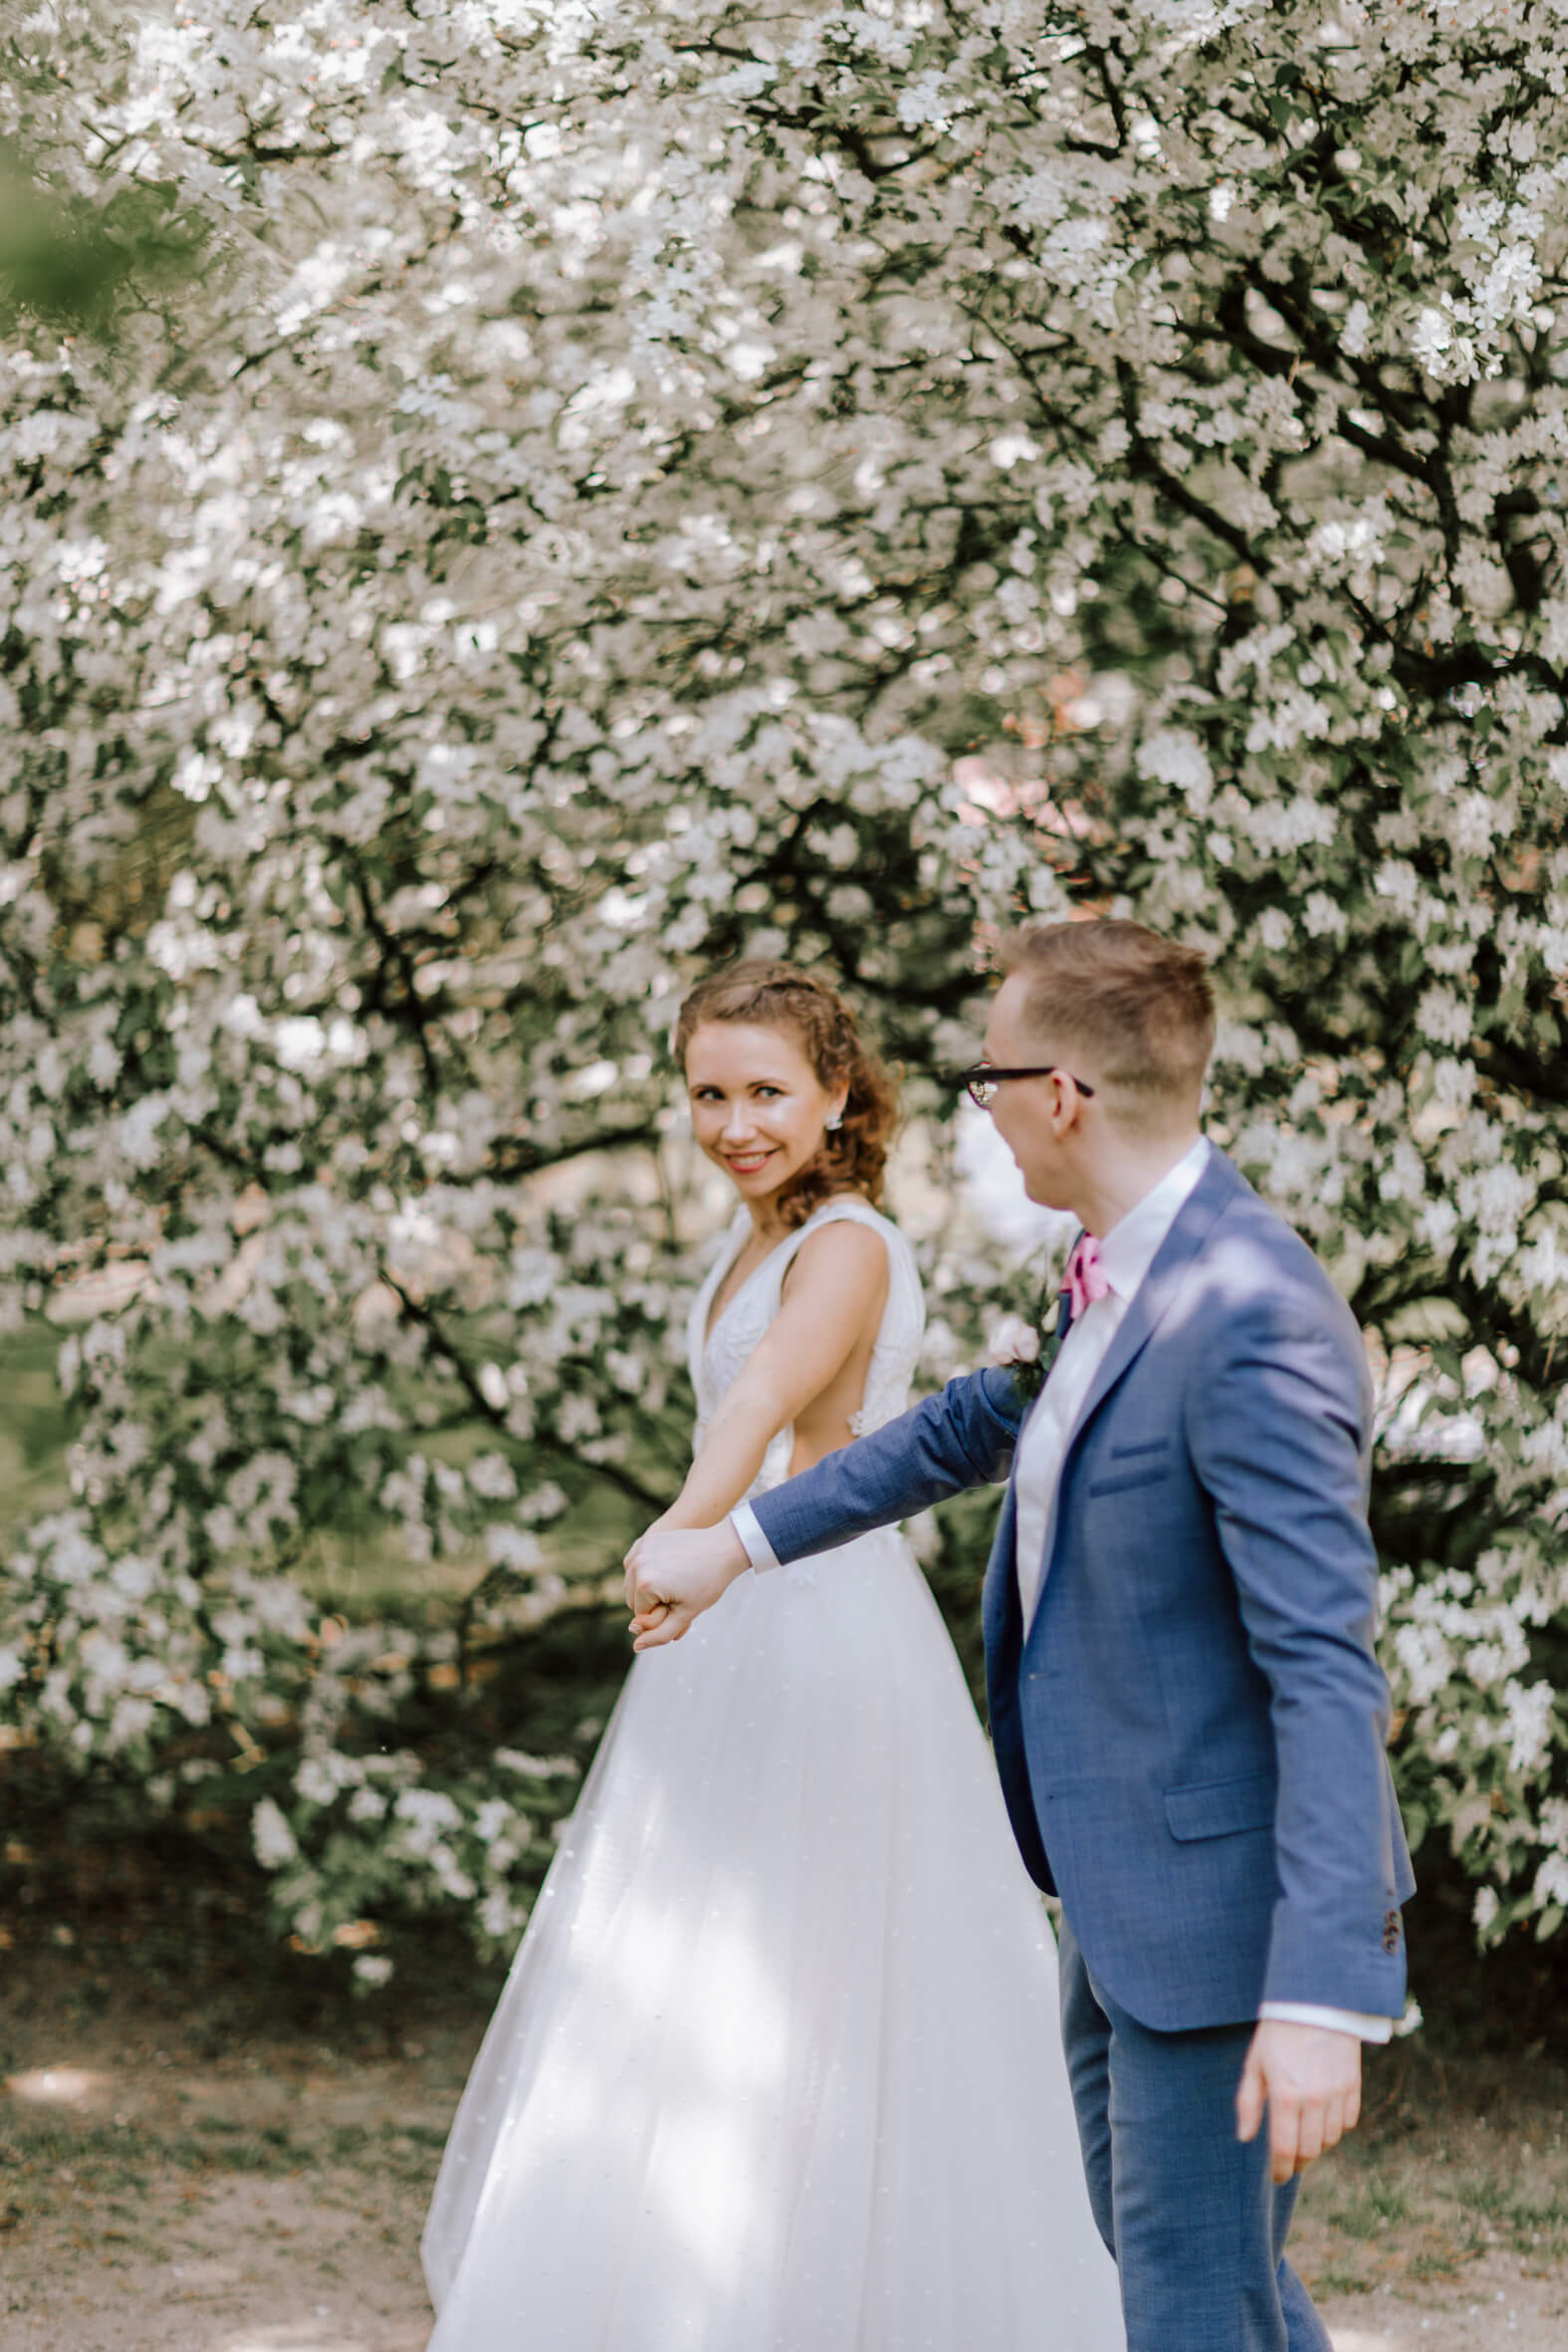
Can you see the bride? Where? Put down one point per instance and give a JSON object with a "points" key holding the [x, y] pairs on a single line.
{"points": [[777, 2065]]}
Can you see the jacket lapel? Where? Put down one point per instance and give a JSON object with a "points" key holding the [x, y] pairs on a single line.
{"points": [[1157, 1293]]}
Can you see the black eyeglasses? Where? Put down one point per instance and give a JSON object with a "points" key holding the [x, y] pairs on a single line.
{"points": [[980, 1083]]}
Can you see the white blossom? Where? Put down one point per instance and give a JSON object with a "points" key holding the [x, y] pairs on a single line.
{"points": [[273, 1838]]}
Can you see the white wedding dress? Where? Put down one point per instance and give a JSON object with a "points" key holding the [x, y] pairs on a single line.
{"points": [[778, 2066]]}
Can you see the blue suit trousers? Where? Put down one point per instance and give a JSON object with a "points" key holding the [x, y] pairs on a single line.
{"points": [[1194, 2222]]}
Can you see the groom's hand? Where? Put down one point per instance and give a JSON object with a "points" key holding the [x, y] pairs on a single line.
{"points": [[1309, 2077], [674, 1573]]}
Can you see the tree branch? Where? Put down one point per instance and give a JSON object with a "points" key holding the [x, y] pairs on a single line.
{"points": [[611, 1471]]}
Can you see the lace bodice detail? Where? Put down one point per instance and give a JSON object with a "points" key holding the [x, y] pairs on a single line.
{"points": [[715, 1362]]}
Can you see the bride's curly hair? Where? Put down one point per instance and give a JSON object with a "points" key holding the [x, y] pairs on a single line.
{"points": [[783, 996]]}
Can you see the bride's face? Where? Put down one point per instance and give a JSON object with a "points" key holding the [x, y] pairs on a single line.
{"points": [[758, 1108]]}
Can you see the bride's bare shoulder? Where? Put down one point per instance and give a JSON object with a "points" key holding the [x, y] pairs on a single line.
{"points": [[840, 1252]]}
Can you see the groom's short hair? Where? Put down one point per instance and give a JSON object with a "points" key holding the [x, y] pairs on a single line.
{"points": [[1140, 1006]]}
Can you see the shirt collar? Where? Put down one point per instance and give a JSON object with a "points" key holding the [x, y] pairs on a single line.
{"points": [[1130, 1248]]}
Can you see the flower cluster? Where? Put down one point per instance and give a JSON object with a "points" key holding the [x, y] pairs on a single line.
{"points": [[633, 487]]}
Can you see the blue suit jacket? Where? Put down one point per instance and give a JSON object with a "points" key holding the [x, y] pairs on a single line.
{"points": [[1190, 1733]]}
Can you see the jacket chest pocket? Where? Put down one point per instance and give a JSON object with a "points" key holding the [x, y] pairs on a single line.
{"points": [[1122, 1468]]}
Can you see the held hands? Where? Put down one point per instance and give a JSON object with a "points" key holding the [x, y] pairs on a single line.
{"points": [[674, 1573], [1310, 2078]]}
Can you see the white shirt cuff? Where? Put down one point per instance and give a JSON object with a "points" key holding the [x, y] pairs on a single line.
{"points": [[755, 1544], [1302, 2013]]}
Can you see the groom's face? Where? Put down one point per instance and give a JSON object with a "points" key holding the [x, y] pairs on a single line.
{"points": [[1033, 1116]]}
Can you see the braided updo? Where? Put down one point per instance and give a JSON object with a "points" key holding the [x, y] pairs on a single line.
{"points": [[782, 996]]}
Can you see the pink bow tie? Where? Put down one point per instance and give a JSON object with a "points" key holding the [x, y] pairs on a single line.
{"points": [[1083, 1282]]}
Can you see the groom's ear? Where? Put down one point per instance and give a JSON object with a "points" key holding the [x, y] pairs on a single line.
{"points": [[1067, 1102]]}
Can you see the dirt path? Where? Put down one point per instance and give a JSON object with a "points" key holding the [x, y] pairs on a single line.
{"points": [[161, 2192]]}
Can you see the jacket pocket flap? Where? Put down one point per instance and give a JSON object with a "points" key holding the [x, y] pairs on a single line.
{"points": [[1151, 1477], [1219, 1808]]}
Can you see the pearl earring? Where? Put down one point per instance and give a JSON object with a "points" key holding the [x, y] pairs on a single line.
{"points": [[835, 1122]]}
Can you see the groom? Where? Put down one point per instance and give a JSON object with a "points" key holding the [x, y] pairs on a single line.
{"points": [[1187, 1713]]}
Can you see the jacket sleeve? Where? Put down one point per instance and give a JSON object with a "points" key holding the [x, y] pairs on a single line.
{"points": [[1279, 1434], [963, 1438]]}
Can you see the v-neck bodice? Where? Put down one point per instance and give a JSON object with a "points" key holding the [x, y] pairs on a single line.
{"points": [[717, 1357], [727, 1260]]}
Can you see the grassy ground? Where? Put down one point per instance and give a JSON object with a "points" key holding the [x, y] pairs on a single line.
{"points": [[1445, 2219]]}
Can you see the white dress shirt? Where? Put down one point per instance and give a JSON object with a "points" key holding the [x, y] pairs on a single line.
{"points": [[1126, 1254]]}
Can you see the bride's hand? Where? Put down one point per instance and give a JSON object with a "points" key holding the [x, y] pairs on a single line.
{"points": [[657, 1526], [674, 1573]]}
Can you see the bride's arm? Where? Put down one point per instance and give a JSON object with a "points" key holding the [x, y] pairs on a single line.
{"points": [[837, 1290], [963, 1438]]}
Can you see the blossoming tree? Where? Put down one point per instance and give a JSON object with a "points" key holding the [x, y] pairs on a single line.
{"points": [[636, 483]]}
